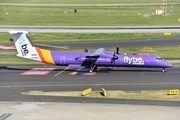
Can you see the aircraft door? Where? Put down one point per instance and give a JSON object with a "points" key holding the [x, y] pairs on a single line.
{"points": [[63, 60]]}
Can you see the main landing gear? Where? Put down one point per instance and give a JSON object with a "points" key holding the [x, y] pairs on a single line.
{"points": [[93, 68]]}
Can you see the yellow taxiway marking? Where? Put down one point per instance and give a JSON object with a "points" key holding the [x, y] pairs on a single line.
{"points": [[61, 71]]}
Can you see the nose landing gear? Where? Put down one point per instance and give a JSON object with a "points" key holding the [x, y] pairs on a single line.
{"points": [[163, 70]]}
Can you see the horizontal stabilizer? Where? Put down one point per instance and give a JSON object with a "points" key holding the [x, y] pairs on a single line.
{"points": [[16, 32]]}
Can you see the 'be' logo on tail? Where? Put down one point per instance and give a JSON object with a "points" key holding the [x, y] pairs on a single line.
{"points": [[24, 49], [23, 46]]}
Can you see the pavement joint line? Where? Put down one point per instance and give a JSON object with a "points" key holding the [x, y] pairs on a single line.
{"points": [[61, 71]]}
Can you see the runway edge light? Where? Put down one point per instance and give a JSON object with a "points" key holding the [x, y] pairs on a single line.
{"points": [[86, 91], [173, 92]]}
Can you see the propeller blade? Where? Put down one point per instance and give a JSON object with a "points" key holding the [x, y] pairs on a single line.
{"points": [[117, 50], [114, 56]]}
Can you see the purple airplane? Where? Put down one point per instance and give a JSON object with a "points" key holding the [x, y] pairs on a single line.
{"points": [[88, 59]]}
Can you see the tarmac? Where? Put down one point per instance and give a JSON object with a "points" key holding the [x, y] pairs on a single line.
{"points": [[85, 111]]}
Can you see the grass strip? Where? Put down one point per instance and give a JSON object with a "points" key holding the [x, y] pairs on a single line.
{"points": [[81, 1], [85, 37], [142, 95], [88, 16], [17, 61]]}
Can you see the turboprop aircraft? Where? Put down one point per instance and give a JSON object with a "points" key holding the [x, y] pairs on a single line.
{"points": [[99, 57]]}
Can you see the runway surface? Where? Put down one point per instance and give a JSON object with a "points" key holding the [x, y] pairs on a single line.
{"points": [[59, 79]]}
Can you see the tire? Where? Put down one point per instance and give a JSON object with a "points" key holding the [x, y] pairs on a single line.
{"points": [[90, 71]]}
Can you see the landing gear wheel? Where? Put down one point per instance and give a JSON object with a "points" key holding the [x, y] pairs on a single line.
{"points": [[93, 67], [163, 70], [90, 71]]}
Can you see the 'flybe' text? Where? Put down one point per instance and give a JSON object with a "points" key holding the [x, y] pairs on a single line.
{"points": [[133, 60]]}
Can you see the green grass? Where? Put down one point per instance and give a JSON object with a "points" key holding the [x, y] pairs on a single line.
{"points": [[84, 1], [142, 95], [87, 16], [8, 53], [85, 37]]}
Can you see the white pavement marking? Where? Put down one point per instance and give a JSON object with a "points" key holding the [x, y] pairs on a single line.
{"points": [[46, 69], [32, 72], [7, 47]]}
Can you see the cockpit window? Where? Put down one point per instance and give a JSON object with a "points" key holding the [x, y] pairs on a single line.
{"points": [[159, 59]]}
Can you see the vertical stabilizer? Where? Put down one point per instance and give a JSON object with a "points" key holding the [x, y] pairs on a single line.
{"points": [[23, 45]]}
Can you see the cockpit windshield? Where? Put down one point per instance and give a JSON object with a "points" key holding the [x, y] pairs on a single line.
{"points": [[159, 59]]}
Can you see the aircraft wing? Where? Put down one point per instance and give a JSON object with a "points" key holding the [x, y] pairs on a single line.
{"points": [[98, 52]]}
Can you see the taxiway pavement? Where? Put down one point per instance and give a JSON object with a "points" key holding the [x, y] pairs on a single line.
{"points": [[83, 111], [126, 79]]}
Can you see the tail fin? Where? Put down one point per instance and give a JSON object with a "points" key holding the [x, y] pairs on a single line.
{"points": [[23, 45]]}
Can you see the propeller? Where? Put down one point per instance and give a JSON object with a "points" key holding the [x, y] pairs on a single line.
{"points": [[114, 56], [117, 50]]}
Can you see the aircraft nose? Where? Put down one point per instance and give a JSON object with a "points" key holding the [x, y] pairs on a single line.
{"points": [[168, 65]]}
